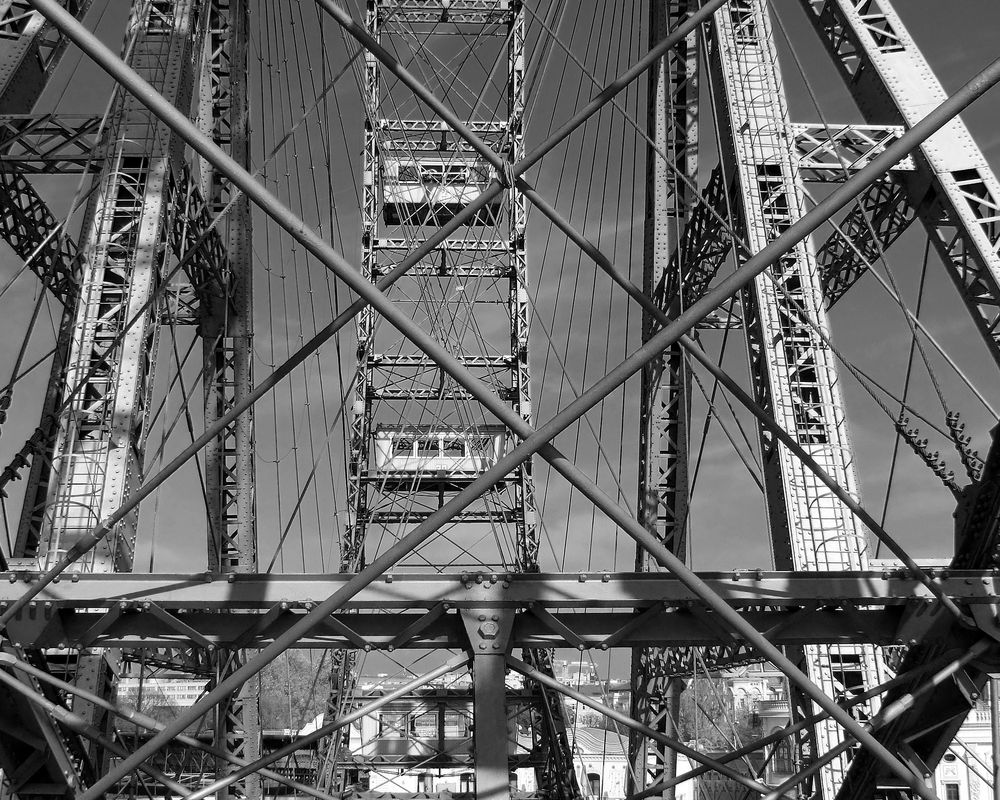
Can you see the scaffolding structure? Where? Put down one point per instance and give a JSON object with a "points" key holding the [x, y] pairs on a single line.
{"points": [[441, 558]]}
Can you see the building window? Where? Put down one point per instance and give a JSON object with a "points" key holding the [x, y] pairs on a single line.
{"points": [[392, 725], [427, 446], [951, 792], [782, 761], [595, 784], [425, 726], [455, 725]]}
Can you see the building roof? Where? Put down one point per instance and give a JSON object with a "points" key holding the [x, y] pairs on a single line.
{"points": [[599, 742]]}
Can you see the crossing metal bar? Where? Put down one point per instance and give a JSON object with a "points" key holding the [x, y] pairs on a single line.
{"points": [[390, 62], [534, 441], [399, 71], [624, 719], [79, 725], [147, 722], [494, 189], [889, 713], [782, 733], [325, 730]]}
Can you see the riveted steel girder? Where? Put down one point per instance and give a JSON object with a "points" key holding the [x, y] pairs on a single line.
{"points": [[535, 440]]}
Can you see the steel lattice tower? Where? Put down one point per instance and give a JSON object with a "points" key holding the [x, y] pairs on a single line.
{"points": [[414, 437], [490, 253], [150, 224], [440, 543], [796, 382]]}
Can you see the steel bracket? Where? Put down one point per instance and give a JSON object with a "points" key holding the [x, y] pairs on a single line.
{"points": [[41, 627], [918, 620], [488, 630], [985, 616]]}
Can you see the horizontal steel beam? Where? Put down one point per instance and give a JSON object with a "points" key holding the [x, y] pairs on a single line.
{"points": [[583, 610], [155, 627], [585, 590], [534, 441]]}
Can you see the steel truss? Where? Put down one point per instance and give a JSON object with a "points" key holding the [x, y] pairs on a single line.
{"points": [[49, 144], [808, 461], [408, 390], [590, 610], [796, 381], [147, 205], [663, 439]]}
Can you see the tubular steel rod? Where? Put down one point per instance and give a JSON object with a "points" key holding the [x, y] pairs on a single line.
{"points": [[889, 713], [399, 71], [533, 440], [813, 768], [624, 719], [903, 704], [79, 725], [364, 38], [748, 402], [492, 190], [143, 721], [842, 494], [325, 730], [778, 735]]}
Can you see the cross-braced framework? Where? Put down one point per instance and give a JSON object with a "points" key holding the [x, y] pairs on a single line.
{"points": [[402, 476], [415, 438]]}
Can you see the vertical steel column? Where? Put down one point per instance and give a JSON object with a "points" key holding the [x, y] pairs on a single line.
{"points": [[343, 679], [793, 373], [954, 191], [98, 440], [490, 721], [352, 554], [526, 523], [398, 382], [27, 60], [488, 631], [98, 456], [226, 327], [672, 125], [672, 118]]}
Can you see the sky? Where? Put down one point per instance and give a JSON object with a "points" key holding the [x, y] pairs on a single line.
{"points": [[580, 326]]}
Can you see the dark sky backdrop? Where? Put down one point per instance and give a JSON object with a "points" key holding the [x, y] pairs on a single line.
{"points": [[597, 179]]}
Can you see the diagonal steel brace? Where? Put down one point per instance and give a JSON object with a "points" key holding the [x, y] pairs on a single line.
{"points": [[534, 440]]}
